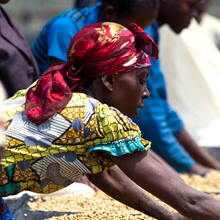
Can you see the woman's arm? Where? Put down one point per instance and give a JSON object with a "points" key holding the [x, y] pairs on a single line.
{"points": [[156, 179], [117, 185], [162, 162]]}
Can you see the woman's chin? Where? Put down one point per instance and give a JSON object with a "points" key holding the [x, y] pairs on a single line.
{"points": [[134, 115]]}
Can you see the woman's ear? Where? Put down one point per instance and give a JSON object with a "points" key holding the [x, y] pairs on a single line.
{"points": [[108, 82]]}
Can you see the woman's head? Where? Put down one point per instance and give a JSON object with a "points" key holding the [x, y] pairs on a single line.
{"points": [[103, 51], [107, 49]]}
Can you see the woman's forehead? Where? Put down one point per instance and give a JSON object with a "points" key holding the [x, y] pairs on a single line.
{"points": [[143, 71]]}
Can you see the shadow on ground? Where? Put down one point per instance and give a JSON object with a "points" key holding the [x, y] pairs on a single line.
{"points": [[38, 215], [21, 210]]}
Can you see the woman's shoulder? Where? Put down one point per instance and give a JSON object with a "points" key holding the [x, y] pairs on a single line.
{"points": [[107, 116]]}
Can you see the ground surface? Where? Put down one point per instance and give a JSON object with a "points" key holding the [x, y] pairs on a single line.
{"points": [[97, 207]]}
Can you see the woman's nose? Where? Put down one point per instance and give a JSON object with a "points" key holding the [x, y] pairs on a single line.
{"points": [[146, 93]]}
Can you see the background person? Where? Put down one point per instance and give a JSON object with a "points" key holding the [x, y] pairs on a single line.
{"points": [[157, 120], [18, 68], [197, 101], [209, 23]]}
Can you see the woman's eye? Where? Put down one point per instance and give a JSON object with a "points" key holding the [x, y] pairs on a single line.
{"points": [[142, 82]]}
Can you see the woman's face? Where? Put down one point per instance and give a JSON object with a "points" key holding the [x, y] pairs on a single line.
{"points": [[129, 91]]}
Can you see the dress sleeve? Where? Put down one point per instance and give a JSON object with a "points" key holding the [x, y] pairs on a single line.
{"points": [[120, 135], [59, 36], [113, 134]]}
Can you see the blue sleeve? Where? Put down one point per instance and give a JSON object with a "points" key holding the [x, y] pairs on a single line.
{"points": [[157, 87], [59, 36], [157, 79], [173, 120], [154, 127], [157, 120]]}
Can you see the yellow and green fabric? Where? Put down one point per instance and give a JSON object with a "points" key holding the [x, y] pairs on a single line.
{"points": [[75, 141]]}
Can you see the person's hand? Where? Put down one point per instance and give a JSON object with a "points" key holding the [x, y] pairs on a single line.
{"points": [[199, 169], [217, 165]]}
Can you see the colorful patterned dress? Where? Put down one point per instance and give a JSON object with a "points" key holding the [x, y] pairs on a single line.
{"points": [[74, 142]]}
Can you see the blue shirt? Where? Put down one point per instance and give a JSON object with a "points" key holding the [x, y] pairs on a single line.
{"points": [[56, 35], [158, 122]]}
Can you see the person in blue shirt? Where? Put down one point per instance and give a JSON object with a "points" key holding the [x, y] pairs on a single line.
{"points": [[53, 41], [157, 120]]}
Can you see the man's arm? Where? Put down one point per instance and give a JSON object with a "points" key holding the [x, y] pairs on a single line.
{"points": [[117, 185], [182, 137], [189, 144], [196, 151]]}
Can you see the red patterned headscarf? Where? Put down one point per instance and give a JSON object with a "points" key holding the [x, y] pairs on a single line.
{"points": [[99, 49]]}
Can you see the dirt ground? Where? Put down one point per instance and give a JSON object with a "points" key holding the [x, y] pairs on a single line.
{"points": [[97, 207]]}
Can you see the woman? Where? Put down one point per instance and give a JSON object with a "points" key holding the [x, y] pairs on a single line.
{"points": [[64, 127]]}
